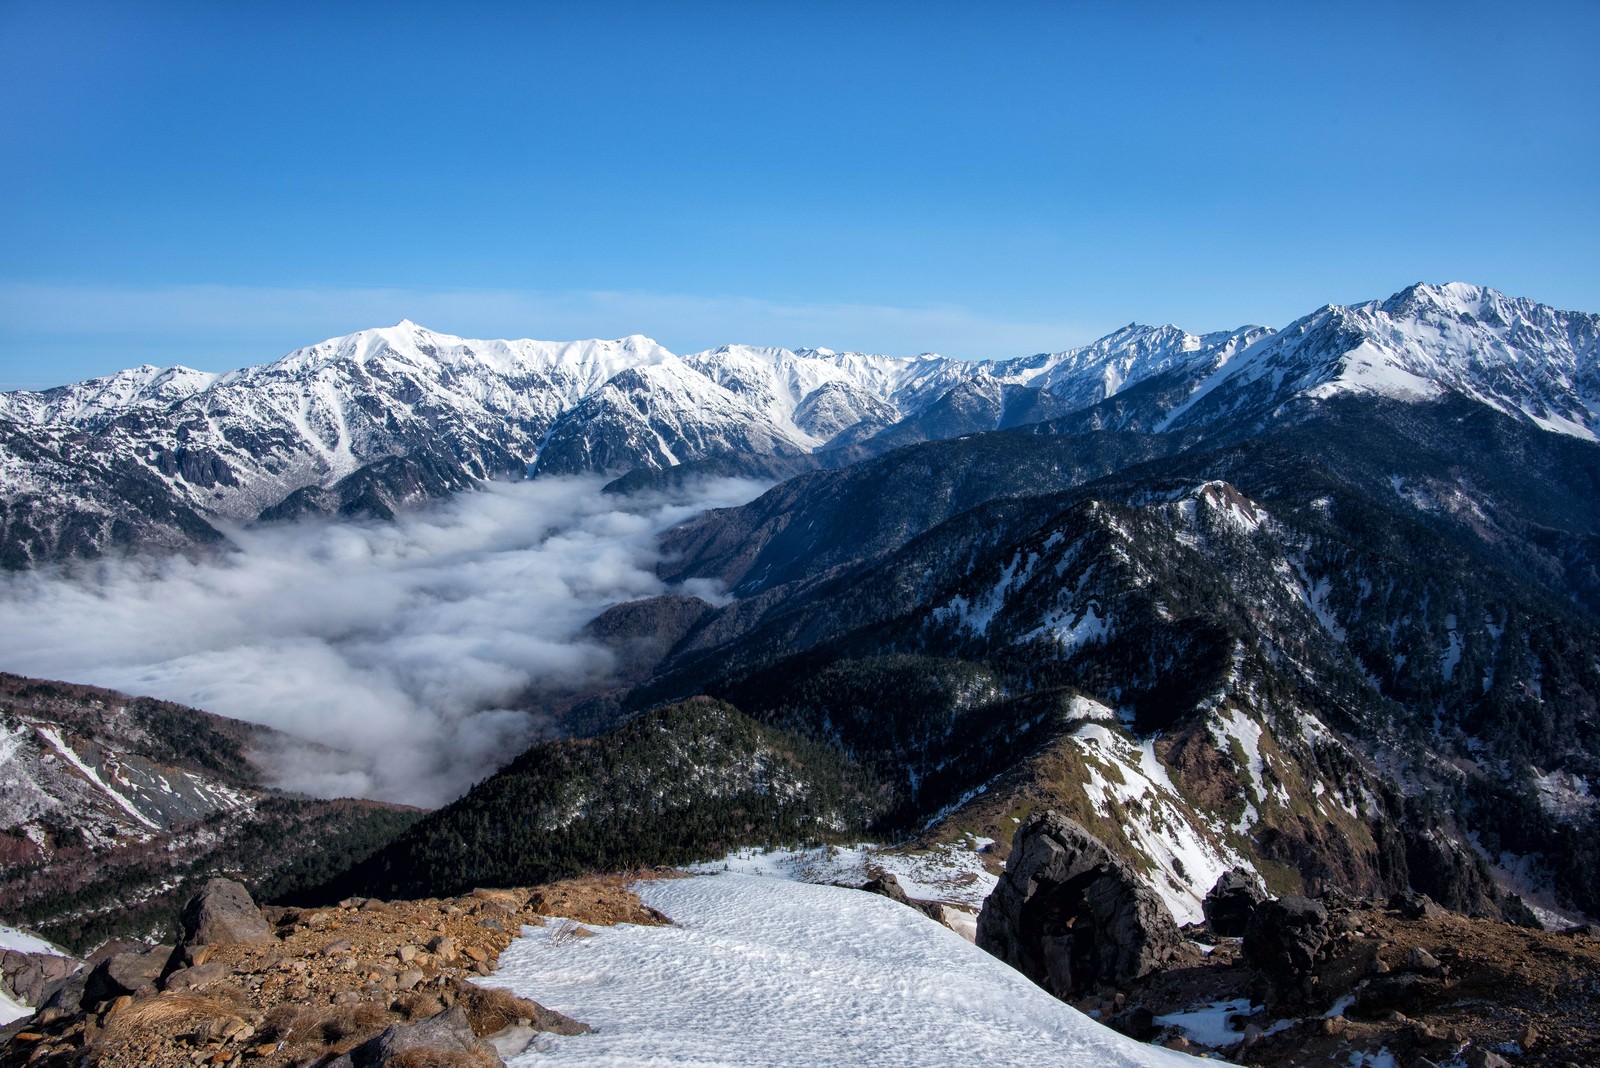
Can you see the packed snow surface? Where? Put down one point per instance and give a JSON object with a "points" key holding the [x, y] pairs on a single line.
{"points": [[770, 972], [11, 1011]]}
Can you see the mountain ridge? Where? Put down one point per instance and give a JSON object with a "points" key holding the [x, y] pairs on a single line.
{"points": [[408, 413]]}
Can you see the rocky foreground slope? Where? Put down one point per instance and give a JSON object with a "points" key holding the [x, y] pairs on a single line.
{"points": [[1332, 981], [359, 983]]}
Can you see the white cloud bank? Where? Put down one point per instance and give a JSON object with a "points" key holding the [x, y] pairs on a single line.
{"points": [[407, 649]]}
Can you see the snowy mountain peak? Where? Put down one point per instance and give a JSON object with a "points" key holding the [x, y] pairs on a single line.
{"points": [[236, 446], [1516, 355]]}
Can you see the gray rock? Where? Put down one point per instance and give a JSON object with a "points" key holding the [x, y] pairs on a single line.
{"points": [[512, 1040], [221, 913], [196, 977], [1404, 992], [1411, 905], [1478, 1057], [30, 978], [133, 971], [448, 1032], [1231, 901], [1285, 942], [1070, 916], [887, 885], [1421, 960]]}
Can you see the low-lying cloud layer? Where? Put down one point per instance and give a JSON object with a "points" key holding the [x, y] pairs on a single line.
{"points": [[403, 648]]}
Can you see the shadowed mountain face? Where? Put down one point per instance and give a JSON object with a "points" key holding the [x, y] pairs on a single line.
{"points": [[1356, 649]]}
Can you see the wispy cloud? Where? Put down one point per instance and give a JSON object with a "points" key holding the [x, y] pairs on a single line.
{"points": [[220, 327], [414, 651]]}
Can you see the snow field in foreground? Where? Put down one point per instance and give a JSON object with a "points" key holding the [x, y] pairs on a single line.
{"points": [[761, 971]]}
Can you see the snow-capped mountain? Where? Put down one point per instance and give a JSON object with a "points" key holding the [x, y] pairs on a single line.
{"points": [[370, 422], [1513, 354]]}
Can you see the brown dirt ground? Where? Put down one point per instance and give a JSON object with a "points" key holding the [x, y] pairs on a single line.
{"points": [[330, 979]]}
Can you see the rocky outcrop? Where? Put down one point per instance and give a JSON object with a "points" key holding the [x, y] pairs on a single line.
{"points": [[887, 885], [1070, 916], [1411, 984], [1305, 956], [132, 971], [1231, 902], [1284, 942]]}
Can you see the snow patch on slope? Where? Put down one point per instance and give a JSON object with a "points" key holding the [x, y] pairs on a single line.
{"points": [[51, 735]]}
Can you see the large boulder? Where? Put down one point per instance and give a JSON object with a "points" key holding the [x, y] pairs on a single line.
{"points": [[1071, 916], [1230, 903], [888, 885], [222, 913], [30, 978]]}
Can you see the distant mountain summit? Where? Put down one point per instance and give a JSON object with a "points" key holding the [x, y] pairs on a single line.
{"points": [[380, 419], [1515, 355]]}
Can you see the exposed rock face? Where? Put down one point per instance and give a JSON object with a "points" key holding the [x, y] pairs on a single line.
{"points": [[133, 971], [1230, 903], [221, 914], [1070, 916]]}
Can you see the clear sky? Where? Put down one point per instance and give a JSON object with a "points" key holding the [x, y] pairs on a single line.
{"points": [[215, 183]]}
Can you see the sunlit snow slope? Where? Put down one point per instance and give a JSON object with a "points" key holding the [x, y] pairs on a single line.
{"points": [[768, 972]]}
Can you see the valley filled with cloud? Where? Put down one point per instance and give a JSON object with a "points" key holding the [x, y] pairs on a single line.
{"points": [[410, 655]]}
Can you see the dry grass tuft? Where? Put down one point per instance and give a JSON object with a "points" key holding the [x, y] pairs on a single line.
{"points": [[511, 900], [490, 1009], [436, 1058], [286, 1021], [211, 1016], [349, 1025], [417, 1005]]}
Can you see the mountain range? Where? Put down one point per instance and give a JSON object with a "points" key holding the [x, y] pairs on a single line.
{"points": [[1321, 602], [364, 424]]}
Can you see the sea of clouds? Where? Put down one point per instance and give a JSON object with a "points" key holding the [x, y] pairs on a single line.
{"points": [[410, 653]]}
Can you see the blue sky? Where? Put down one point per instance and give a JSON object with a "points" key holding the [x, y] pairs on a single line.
{"points": [[216, 183]]}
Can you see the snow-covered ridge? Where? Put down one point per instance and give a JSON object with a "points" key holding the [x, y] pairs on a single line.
{"points": [[1513, 354], [228, 446]]}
